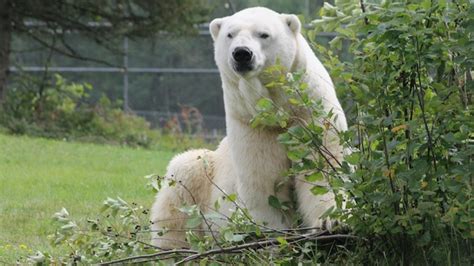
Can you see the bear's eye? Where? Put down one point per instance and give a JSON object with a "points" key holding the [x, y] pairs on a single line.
{"points": [[229, 36], [264, 35]]}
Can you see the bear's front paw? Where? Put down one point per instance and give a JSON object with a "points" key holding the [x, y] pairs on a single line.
{"points": [[330, 225]]}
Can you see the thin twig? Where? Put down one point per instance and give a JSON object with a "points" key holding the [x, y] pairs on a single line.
{"points": [[200, 212], [150, 256], [362, 7], [60, 51]]}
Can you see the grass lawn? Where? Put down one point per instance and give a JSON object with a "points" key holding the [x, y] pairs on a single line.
{"points": [[38, 177]]}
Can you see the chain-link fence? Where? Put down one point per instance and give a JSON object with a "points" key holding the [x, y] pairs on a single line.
{"points": [[172, 81]]}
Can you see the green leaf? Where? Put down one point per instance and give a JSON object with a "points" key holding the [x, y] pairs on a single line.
{"points": [[286, 139], [336, 43], [231, 237], [264, 104], [345, 32], [318, 176], [274, 202], [282, 241], [189, 210], [270, 85], [353, 158], [319, 190], [296, 131], [297, 155], [194, 221], [294, 101], [238, 237], [258, 232], [425, 239], [228, 235], [217, 205], [232, 197]]}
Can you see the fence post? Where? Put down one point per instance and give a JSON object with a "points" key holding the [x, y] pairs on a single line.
{"points": [[126, 107]]}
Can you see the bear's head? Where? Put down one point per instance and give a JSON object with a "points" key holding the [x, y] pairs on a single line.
{"points": [[253, 39]]}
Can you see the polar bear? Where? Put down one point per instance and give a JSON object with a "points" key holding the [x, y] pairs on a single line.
{"points": [[249, 162]]}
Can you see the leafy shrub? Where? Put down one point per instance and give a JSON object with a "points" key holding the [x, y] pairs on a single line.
{"points": [[36, 108], [121, 234], [409, 90], [63, 110]]}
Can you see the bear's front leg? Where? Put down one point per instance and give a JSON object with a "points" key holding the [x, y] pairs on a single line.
{"points": [[260, 162], [311, 207]]}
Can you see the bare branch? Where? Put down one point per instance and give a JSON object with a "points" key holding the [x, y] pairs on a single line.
{"points": [[69, 54], [255, 245], [265, 243], [150, 256], [362, 7]]}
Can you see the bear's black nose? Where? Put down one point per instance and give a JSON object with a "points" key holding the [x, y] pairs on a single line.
{"points": [[242, 55]]}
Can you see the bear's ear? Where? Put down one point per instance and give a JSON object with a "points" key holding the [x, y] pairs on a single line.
{"points": [[215, 27], [293, 22]]}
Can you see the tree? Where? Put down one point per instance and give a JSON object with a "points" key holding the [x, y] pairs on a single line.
{"points": [[48, 21]]}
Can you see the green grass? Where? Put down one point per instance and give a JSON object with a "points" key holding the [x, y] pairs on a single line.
{"points": [[39, 176]]}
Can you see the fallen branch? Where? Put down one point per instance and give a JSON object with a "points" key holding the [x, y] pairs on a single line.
{"points": [[259, 244], [149, 256], [262, 244]]}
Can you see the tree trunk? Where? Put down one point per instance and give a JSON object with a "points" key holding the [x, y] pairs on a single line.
{"points": [[5, 39]]}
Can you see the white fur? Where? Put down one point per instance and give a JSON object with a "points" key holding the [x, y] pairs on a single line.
{"points": [[249, 161]]}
